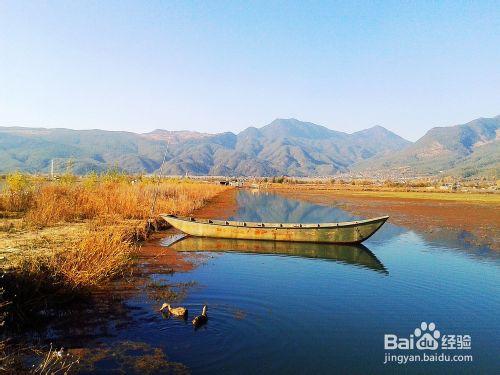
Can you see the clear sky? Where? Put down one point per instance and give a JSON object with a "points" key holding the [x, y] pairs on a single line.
{"points": [[225, 65]]}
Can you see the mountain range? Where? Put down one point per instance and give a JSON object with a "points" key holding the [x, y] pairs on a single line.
{"points": [[283, 147], [465, 150]]}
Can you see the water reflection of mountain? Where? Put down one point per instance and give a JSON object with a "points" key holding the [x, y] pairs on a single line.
{"points": [[459, 240], [359, 255], [271, 207]]}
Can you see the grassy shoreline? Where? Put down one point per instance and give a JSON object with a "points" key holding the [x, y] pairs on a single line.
{"points": [[61, 240]]}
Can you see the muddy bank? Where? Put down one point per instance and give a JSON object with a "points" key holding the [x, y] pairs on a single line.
{"points": [[155, 257], [222, 206], [158, 256], [479, 219]]}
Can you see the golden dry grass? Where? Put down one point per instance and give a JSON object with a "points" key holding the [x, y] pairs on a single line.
{"points": [[48, 281], [438, 196], [54, 203], [387, 192], [99, 255], [115, 209]]}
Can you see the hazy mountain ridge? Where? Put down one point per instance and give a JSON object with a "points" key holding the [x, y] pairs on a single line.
{"points": [[31, 150], [174, 136], [283, 147], [467, 149]]}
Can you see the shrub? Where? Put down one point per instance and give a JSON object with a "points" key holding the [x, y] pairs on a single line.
{"points": [[18, 192]]}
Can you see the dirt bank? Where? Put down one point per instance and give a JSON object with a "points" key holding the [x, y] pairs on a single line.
{"points": [[158, 256], [221, 206]]}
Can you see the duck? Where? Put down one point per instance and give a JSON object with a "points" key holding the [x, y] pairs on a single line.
{"points": [[201, 319], [176, 311]]}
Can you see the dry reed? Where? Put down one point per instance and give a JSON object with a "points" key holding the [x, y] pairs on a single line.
{"points": [[55, 202], [54, 362], [16, 359], [99, 255]]}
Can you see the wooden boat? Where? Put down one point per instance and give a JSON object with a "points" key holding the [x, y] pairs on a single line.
{"points": [[348, 232]]}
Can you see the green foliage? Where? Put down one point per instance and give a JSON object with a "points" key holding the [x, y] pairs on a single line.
{"points": [[69, 166], [68, 179], [278, 180], [19, 190], [18, 182], [90, 180], [115, 175]]}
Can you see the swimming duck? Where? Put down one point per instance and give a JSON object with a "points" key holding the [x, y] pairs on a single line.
{"points": [[201, 319], [177, 311]]}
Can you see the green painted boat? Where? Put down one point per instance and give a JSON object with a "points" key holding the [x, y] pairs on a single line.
{"points": [[352, 232]]}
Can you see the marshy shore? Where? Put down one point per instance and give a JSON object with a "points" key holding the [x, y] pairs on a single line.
{"points": [[62, 240]]}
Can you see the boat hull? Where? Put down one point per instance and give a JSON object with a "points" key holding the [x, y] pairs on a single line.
{"points": [[342, 233]]}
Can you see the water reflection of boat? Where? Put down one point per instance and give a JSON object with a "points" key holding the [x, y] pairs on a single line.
{"points": [[357, 255], [346, 232]]}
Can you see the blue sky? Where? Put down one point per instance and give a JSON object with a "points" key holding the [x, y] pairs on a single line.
{"points": [[223, 66]]}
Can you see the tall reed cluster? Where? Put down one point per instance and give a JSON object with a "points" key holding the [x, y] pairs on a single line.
{"points": [[118, 197], [100, 254]]}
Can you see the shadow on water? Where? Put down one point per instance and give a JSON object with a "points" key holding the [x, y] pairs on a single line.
{"points": [[358, 255]]}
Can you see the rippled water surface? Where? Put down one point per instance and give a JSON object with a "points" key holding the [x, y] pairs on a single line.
{"points": [[298, 308]]}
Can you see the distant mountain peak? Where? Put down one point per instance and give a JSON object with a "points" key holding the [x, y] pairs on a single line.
{"points": [[378, 127], [291, 127], [288, 122], [375, 128], [175, 136], [380, 133]]}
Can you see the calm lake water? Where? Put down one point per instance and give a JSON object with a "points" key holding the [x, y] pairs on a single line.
{"points": [[298, 308]]}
